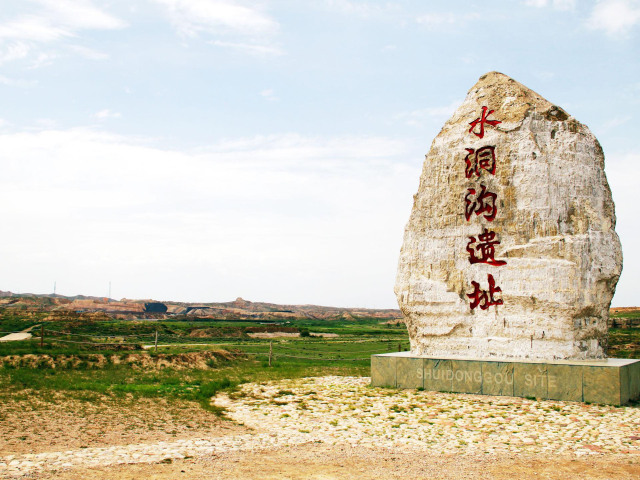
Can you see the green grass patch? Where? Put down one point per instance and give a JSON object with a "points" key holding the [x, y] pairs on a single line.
{"points": [[624, 343], [347, 354]]}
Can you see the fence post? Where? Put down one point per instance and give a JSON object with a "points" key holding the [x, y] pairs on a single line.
{"points": [[41, 336], [399, 347], [270, 351], [156, 342]]}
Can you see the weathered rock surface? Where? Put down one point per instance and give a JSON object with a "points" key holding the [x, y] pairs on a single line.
{"points": [[534, 179]]}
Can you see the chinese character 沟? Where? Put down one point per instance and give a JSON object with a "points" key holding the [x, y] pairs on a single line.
{"points": [[485, 203]]}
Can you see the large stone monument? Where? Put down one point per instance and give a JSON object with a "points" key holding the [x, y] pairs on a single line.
{"points": [[510, 257]]}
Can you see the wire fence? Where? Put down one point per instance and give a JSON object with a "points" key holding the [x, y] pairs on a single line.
{"points": [[271, 349]]}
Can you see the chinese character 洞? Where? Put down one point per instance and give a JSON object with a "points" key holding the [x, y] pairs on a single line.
{"points": [[486, 249], [485, 203], [482, 298], [481, 159], [482, 120]]}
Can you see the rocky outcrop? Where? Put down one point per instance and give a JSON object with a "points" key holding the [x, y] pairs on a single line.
{"points": [[510, 250]]}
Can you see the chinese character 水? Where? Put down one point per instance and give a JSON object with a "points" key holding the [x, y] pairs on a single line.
{"points": [[482, 120]]}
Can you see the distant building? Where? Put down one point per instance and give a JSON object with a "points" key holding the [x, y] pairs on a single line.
{"points": [[155, 307]]}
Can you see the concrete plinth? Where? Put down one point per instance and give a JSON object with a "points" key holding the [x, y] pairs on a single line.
{"points": [[613, 381]]}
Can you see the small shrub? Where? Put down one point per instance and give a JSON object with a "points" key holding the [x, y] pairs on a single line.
{"points": [[284, 392], [211, 363]]}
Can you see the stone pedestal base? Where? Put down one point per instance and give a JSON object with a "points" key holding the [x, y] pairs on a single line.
{"points": [[613, 381]]}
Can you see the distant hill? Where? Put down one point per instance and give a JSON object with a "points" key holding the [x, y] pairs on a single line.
{"points": [[237, 309]]}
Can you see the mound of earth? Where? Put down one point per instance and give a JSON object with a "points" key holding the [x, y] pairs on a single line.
{"points": [[200, 360]]}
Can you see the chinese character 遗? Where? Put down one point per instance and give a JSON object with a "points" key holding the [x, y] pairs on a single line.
{"points": [[481, 159], [486, 249], [482, 298], [485, 203]]}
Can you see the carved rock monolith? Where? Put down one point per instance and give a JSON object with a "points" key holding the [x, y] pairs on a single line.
{"points": [[510, 250]]}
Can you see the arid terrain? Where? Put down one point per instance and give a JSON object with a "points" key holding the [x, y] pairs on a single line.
{"points": [[319, 428], [91, 398], [125, 309]]}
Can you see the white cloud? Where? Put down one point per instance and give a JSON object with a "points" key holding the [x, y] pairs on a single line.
{"points": [[48, 22], [283, 218], [191, 17], [43, 59], [80, 15], [14, 51], [88, 53], [249, 48], [36, 28], [234, 25], [269, 94], [544, 74], [556, 4], [12, 82], [105, 114], [58, 19], [616, 122], [622, 168], [362, 9], [564, 4], [445, 20], [419, 117], [615, 17]]}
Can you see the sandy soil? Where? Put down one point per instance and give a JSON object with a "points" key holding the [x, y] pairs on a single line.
{"points": [[273, 335], [320, 462], [33, 425]]}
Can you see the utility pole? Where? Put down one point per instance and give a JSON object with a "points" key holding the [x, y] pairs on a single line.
{"points": [[156, 343], [54, 287], [270, 352]]}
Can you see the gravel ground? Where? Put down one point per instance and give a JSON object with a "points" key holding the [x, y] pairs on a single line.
{"points": [[339, 427]]}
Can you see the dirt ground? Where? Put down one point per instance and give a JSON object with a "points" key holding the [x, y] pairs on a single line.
{"points": [[321, 462], [32, 425]]}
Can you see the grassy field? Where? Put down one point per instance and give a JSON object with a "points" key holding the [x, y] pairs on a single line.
{"points": [[90, 357], [94, 357], [624, 343]]}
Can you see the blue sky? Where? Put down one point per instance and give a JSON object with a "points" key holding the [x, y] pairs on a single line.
{"points": [[201, 150]]}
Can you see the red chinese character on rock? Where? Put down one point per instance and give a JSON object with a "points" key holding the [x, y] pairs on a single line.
{"points": [[482, 298], [482, 120], [486, 248], [485, 203], [482, 159]]}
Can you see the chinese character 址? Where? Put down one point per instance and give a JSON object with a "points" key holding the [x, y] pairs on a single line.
{"points": [[482, 298]]}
